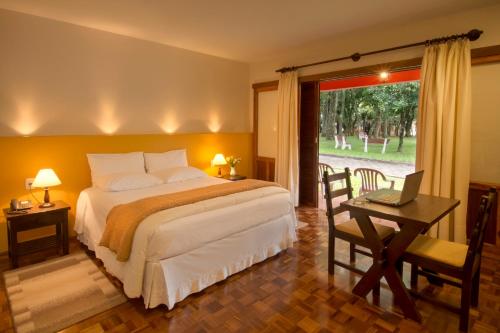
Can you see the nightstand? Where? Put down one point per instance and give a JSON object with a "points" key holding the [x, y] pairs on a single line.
{"points": [[36, 218], [234, 178]]}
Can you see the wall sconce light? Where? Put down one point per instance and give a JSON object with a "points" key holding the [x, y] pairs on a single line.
{"points": [[384, 75]]}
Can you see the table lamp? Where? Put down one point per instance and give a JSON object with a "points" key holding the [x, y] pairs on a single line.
{"points": [[46, 178], [219, 160]]}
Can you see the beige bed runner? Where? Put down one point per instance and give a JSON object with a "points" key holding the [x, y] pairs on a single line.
{"points": [[123, 220]]}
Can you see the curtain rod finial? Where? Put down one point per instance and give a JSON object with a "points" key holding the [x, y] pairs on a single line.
{"points": [[474, 34]]}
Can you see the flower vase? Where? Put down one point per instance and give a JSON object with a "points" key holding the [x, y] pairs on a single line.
{"points": [[232, 171]]}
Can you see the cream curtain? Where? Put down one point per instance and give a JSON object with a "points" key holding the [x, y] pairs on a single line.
{"points": [[287, 157], [443, 130]]}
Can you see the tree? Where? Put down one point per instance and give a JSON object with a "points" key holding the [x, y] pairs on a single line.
{"points": [[340, 112], [377, 110], [406, 105], [328, 113]]}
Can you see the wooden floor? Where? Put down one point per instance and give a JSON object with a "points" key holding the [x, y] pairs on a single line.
{"points": [[291, 292]]}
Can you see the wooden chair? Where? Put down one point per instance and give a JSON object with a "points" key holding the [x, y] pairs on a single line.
{"points": [[348, 231], [369, 180], [459, 261]]}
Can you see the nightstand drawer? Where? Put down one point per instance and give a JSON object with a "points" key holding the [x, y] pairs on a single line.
{"points": [[39, 220]]}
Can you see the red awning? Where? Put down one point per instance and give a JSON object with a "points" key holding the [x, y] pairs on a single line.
{"points": [[372, 80]]}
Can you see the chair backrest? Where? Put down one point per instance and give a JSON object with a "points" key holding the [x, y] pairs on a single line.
{"points": [[322, 167], [330, 193], [477, 235], [369, 179]]}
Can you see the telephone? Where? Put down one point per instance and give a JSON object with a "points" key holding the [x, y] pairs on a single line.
{"points": [[16, 205]]}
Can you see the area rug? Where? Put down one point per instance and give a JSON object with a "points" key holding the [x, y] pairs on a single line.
{"points": [[58, 293]]}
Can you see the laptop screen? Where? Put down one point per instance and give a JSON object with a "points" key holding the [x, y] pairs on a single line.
{"points": [[411, 186]]}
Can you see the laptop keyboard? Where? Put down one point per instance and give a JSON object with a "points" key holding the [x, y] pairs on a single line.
{"points": [[389, 196]]}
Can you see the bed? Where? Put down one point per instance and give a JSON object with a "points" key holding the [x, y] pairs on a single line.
{"points": [[182, 250]]}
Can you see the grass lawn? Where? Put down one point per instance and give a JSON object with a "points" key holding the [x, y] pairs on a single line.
{"points": [[374, 150]]}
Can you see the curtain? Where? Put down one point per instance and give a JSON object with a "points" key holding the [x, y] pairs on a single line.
{"points": [[443, 130], [287, 157]]}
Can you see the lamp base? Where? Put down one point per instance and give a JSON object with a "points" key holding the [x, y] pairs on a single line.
{"points": [[47, 205], [46, 200]]}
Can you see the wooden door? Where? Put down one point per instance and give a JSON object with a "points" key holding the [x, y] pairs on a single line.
{"points": [[308, 151]]}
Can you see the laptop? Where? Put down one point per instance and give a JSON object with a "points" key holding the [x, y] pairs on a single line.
{"points": [[398, 198]]}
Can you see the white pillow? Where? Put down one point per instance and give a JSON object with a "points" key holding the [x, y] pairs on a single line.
{"points": [[108, 164], [162, 161], [126, 181], [179, 174]]}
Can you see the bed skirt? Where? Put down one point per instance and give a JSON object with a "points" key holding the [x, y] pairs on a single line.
{"points": [[171, 280]]}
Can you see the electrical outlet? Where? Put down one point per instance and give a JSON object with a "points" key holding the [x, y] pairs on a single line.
{"points": [[28, 182]]}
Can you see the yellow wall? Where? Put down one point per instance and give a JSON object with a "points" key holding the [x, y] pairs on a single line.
{"points": [[485, 134], [22, 157]]}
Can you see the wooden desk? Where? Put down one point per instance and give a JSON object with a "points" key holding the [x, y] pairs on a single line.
{"points": [[413, 218]]}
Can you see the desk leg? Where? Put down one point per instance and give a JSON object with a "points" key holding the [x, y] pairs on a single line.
{"points": [[386, 263], [369, 280], [401, 295]]}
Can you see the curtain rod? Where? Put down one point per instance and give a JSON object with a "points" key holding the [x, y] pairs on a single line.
{"points": [[472, 35]]}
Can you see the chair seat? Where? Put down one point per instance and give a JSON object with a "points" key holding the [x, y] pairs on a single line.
{"points": [[450, 253], [351, 227]]}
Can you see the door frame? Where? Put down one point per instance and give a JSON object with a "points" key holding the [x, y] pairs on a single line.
{"points": [[269, 161], [312, 170], [308, 143], [479, 56]]}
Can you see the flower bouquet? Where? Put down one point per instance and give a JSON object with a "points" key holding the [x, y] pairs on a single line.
{"points": [[233, 161]]}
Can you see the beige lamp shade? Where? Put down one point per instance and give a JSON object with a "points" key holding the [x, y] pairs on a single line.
{"points": [[46, 178], [219, 160]]}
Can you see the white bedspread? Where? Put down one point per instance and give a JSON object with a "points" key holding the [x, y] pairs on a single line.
{"points": [[173, 232]]}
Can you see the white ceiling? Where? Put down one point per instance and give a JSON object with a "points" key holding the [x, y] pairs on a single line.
{"points": [[244, 30]]}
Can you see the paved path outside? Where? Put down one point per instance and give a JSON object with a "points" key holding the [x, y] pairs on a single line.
{"points": [[393, 169]]}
